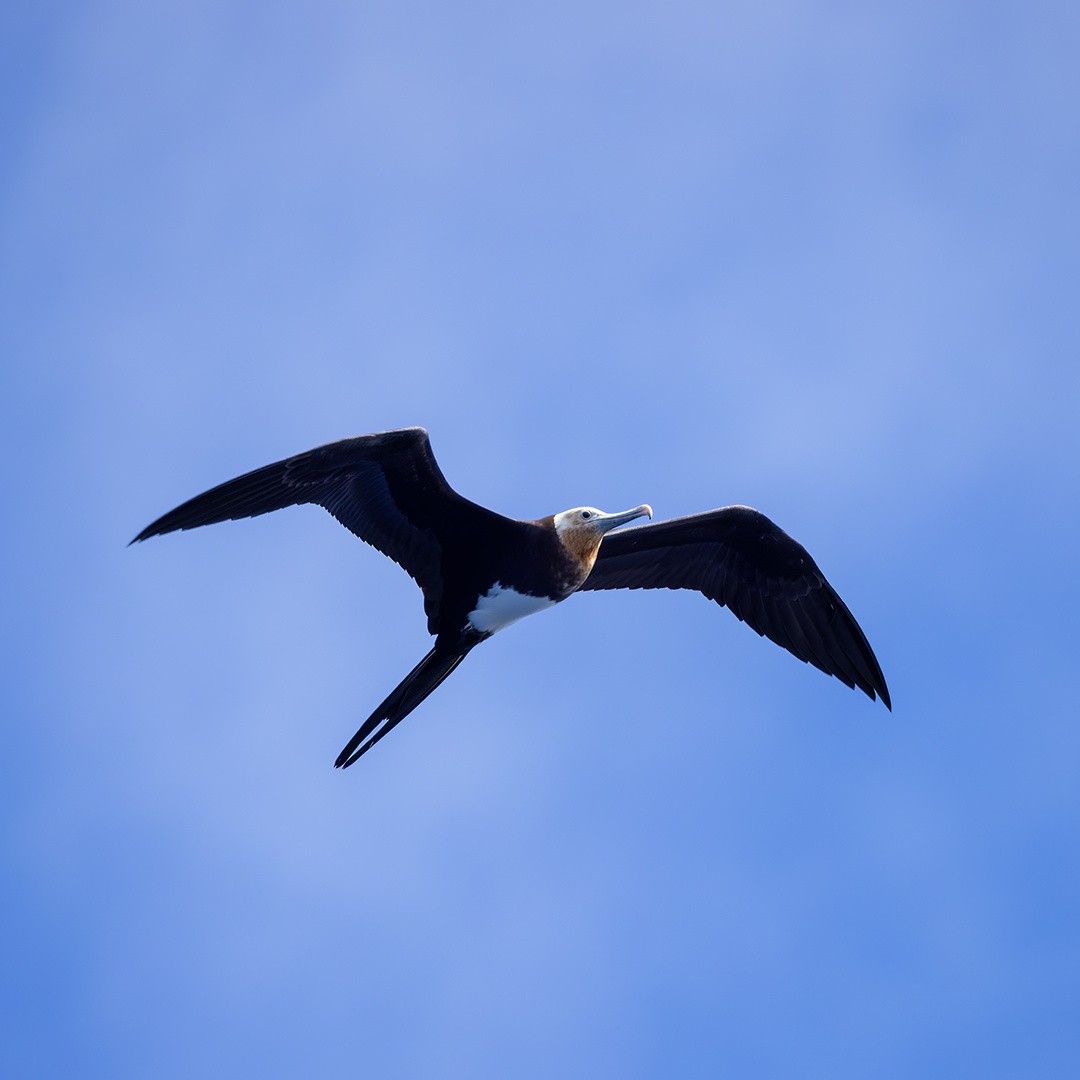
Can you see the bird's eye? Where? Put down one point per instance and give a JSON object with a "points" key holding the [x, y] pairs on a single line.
{"points": [[585, 515]]}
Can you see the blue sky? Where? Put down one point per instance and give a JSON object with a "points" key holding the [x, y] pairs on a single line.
{"points": [[819, 258]]}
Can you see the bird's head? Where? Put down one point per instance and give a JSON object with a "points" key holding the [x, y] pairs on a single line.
{"points": [[582, 528]]}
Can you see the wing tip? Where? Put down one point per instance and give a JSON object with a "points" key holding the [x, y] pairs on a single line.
{"points": [[161, 527]]}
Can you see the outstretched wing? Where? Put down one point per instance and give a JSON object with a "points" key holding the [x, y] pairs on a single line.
{"points": [[739, 558], [386, 488]]}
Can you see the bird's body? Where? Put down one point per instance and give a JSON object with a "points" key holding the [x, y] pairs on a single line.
{"points": [[480, 572]]}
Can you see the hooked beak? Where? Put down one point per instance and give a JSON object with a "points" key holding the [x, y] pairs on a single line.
{"points": [[612, 521]]}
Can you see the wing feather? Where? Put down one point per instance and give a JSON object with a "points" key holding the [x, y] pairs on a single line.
{"points": [[386, 488], [739, 558]]}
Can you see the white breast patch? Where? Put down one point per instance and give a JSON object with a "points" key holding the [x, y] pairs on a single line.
{"points": [[500, 606]]}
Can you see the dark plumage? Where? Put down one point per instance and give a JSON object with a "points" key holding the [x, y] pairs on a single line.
{"points": [[480, 571], [739, 558]]}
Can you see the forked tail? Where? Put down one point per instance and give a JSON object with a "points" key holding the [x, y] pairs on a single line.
{"points": [[421, 681]]}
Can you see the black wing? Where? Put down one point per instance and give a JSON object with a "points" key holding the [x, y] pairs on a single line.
{"points": [[739, 558], [386, 488]]}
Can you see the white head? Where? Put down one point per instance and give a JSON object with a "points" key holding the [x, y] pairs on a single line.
{"points": [[582, 528]]}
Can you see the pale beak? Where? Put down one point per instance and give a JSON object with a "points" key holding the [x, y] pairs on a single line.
{"points": [[612, 521]]}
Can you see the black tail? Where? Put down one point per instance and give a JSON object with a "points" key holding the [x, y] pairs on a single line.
{"points": [[421, 681]]}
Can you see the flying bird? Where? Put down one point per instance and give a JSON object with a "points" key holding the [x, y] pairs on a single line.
{"points": [[480, 572]]}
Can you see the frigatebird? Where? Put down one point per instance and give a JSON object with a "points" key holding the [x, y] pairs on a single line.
{"points": [[480, 571]]}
